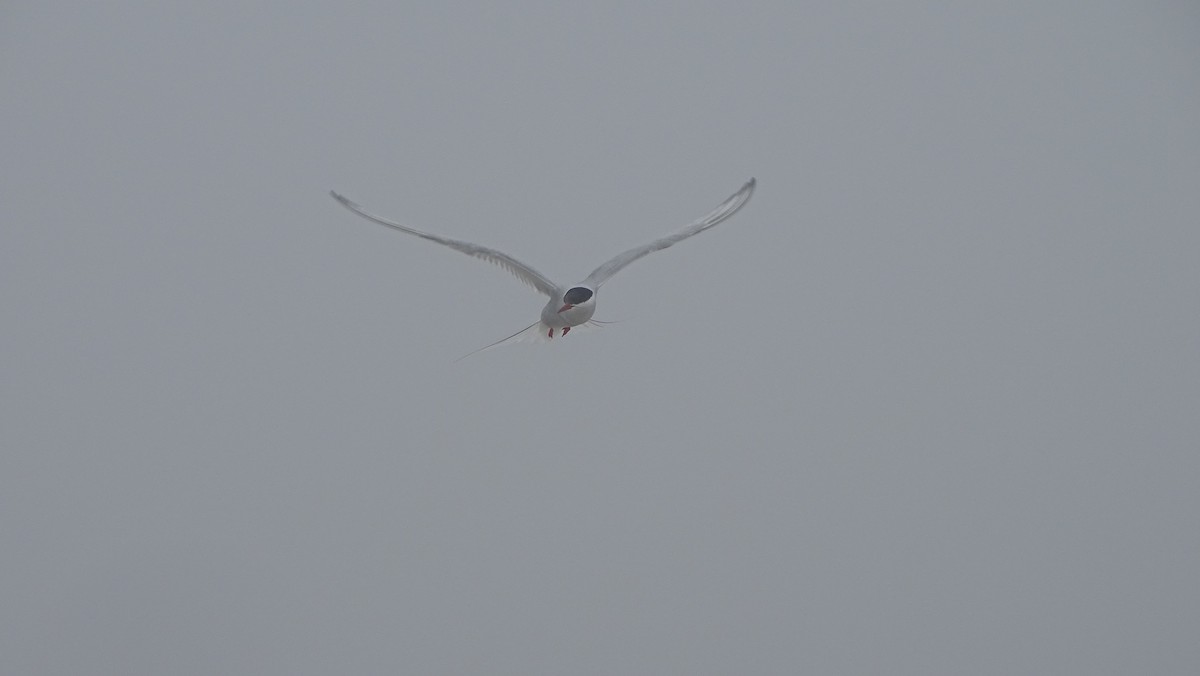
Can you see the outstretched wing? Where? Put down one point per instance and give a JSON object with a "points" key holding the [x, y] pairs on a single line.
{"points": [[522, 271], [727, 208]]}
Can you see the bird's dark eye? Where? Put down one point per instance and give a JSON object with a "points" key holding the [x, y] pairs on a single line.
{"points": [[577, 295]]}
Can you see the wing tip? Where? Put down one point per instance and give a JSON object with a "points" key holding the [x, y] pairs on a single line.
{"points": [[743, 195]]}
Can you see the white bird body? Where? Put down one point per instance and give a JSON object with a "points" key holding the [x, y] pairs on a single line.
{"points": [[571, 306], [575, 315]]}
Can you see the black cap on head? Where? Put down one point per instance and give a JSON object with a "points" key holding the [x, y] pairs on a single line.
{"points": [[577, 295]]}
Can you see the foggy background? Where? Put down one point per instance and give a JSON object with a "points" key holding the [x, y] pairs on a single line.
{"points": [[930, 404]]}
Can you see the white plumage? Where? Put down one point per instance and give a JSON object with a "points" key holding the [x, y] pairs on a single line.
{"points": [[574, 305]]}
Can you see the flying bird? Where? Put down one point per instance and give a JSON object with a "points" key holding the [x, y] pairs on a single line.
{"points": [[569, 306]]}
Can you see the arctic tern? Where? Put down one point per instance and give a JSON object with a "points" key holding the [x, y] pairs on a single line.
{"points": [[569, 306]]}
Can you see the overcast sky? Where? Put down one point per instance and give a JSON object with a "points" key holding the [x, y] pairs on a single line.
{"points": [[930, 404]]}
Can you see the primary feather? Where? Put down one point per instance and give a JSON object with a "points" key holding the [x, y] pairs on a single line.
{"points": [[726, 209], [523, 272]]}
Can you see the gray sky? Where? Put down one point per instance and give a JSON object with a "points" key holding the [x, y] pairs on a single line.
{"points": [[929, 405]]}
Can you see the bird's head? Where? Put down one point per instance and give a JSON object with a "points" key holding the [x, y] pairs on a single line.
{"points": [[577, 296]]}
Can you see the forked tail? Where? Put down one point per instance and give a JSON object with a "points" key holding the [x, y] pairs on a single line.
{"points": [[535, 332]]}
